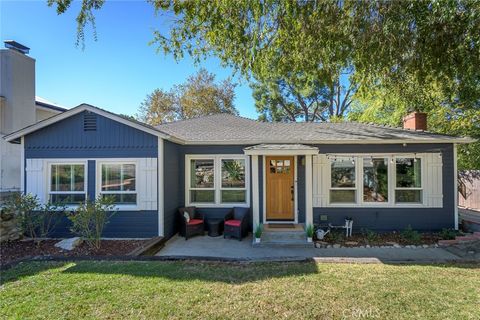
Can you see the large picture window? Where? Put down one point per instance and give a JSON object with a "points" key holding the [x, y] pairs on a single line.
{"points": [[119, 182], [67, 183], [217, 180], [386, 180], [375, 179], [343, 187], [408, 187]]}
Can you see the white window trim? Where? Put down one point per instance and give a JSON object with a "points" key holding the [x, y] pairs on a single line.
{"points": [[217, 183], [50, 163], [98, 187], [391, 181]]}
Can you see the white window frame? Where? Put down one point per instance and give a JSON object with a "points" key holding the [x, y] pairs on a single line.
{"points": [[422, 180], [217, 182], [330, 188], [392, 174], [99, 192], [60, 162]]}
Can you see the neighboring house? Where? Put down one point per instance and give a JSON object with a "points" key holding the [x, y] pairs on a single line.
{"points": [[19, 107], [384, 178]]}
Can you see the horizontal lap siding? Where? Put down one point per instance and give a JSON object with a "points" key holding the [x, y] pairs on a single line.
{"points": [[123, 224], [386, 219]]}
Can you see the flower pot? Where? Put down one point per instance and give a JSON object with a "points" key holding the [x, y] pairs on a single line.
{"points": [[309, 239], [257, 240]]}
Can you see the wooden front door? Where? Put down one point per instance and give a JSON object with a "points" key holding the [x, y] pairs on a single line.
{"points": [[280, 193]]}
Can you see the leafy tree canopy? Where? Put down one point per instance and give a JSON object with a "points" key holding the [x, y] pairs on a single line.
{"points": [[200, 95]]}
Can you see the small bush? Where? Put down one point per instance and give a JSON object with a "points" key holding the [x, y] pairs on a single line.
{"points": [[336, 236], [90, 218], [258, 231], [309, 230], [448, 234], [35, 220], [411, 236], [369, 235]]}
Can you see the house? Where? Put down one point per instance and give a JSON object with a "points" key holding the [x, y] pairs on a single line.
{"points": [[19, 107], [384, 178]]}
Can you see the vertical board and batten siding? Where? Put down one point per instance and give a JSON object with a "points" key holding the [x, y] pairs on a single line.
{"points": [[439, 198], [110, 141]]}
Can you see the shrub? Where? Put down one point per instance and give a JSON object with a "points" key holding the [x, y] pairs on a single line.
{"points": [[309, 230], [369, 235], [411, 236], [90, 218], [336, 236], [35, 220], [448, 234], [258, 231]]}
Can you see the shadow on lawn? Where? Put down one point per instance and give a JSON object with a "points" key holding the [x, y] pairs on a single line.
{"points": [[227, 272]]}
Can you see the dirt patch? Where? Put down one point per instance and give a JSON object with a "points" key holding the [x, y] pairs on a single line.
{"points": [[20, 249], [379, 239]]}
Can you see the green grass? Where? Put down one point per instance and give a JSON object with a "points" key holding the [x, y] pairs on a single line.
{"points": [[181, 290]]}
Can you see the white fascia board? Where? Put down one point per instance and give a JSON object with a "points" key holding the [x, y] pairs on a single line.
{"points": [[76, 110], [281, 152]]}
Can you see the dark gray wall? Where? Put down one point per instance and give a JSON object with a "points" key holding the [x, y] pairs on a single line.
{"points": [[174, 173], [387, 219], [301, 189], [123, 224], [67, 139]]}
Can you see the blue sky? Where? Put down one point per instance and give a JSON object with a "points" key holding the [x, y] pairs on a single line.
{"points": [[117, 71]]}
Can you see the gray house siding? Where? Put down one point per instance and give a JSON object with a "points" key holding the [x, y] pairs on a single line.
{"points": [[387, 219], [67, 139], [301, 189]]}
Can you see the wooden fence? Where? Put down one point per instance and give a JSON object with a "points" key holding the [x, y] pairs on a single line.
{"points": [[469, 190]]}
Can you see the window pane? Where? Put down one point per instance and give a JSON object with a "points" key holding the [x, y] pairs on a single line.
{"points": [[111, 177], [233, 196], [66, 198], [233, 173], [118, 177], [122, 198], [408, 172], [343, 173], [375, 180], [67, 177], [202, 174], [202, 196], [408, 196], [342, 196], [129, 177]]}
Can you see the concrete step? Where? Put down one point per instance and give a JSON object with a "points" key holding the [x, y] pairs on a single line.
{"points": [[284, 236], [284, 244]]}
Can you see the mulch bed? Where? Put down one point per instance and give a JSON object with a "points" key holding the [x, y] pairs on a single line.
{"points": [[382, 239], [20, 249]]}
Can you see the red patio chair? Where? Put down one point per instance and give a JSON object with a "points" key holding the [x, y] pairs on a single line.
{"points": [[193, 225], [236, 223]]}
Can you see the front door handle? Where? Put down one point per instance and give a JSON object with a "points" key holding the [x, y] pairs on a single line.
{"points": [[292, 191]]}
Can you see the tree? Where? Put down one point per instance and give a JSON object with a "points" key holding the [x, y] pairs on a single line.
{"points": [[200, 95], [297, 99], [387, 106]]}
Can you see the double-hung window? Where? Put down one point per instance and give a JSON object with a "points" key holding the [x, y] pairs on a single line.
{"points": [[408, 186], [343, 180], [67, 183], [118, 181], [217, 180]]}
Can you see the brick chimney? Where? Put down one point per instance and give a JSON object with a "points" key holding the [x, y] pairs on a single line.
{"points": [[415, 121]]}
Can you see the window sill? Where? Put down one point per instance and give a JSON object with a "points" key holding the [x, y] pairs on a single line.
{"points": [[216, 205]]}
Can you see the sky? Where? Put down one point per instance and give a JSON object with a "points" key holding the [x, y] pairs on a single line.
{"points": [[117, 71]]}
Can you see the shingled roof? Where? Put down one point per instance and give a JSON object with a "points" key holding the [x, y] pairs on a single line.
{"points": [[230, 129]]}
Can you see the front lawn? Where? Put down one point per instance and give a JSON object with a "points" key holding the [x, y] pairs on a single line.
{"points": [[152, 290]]}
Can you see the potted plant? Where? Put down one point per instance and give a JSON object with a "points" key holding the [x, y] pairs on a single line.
{"points": [[258, 233], [309, 230]]}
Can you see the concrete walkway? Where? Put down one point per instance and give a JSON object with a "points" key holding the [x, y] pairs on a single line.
{"points": [[234, 249]]}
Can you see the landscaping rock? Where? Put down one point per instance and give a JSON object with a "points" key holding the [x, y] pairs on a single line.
{"points": [[396, 245], [336, 246], [321, 244], [351, 243], [69, 244], [391, 243]]}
